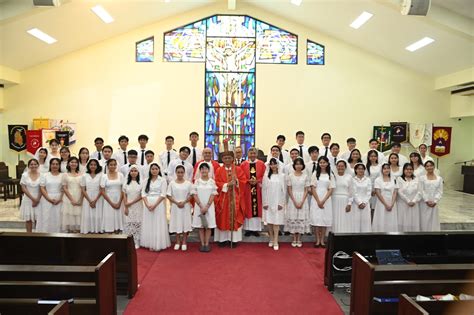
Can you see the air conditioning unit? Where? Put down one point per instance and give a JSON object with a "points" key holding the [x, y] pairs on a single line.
{"points": [[415, 7], [47, 3]]}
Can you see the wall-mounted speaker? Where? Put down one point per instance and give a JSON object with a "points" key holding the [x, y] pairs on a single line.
{"points": [[47, 3], [415, 7]]}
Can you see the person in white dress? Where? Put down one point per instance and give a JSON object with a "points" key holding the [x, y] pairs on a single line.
{"points": [[30, 185], [395, 168], [297, 215], [111, 189], [372, 171], [49, 216], [408, 202], [179, 195], [342, 199], [181, 160], [362, 191], [385, 214], [396, 147], [322, 185], [275, 152], [423, 149], [431, 186], [417, 164], [288, 169], [43, 160], [83, 160], [72, 199], [354, 158], [65, 155], [53, 151], [274, 200], [155, 234], [92, 206], [204, 218], [375, 145], [133, 204]]}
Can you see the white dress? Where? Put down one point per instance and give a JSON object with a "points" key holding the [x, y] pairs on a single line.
{"points": [[133, 221], [384, 220], [63, 166], [180, 220], [395, 175], [27, 211], [91, 221], [49, 216], [431, 190], [274, 195], [362, 191], [155, 234], [204, 189], [408, 217], [419, 171], [71, 215], [112, 219], [341, 197], [297, 220], [321, 217], [374, 173]]}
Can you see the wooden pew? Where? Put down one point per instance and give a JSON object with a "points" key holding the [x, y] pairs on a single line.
{"points": [[371, 281], [418, 247], [94, 284], [73, 249], [408, 306]]}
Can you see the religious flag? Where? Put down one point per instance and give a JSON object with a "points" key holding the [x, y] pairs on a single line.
{"points": [[420, 134], [441, 141], [33, 140], [383, 135], [63, 138], [40, 123], [399, 131], [17, 137], [64, 125], [47, 136]]}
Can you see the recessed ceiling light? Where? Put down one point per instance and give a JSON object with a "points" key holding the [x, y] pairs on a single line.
{"points": [[296, 2], [102, 14], [361, 20], [41, 36], [419, 44]]}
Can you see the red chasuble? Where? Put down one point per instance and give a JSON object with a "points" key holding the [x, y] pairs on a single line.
{"points": [[223, 208], [253, 194]]}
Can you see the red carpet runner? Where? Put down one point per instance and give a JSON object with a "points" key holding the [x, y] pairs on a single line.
{"points": [[250, 279]]}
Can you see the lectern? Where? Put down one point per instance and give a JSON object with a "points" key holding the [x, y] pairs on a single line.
{"points": [[468, 172]]}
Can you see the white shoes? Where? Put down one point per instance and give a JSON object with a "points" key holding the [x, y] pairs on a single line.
{"points": [[176, 246], [276, 247], [270, 244], [299, 244], [184, 247], [293, 244]]}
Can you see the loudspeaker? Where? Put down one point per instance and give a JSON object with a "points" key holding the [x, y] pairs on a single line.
{"points": [[47, 3], [415, 7]]}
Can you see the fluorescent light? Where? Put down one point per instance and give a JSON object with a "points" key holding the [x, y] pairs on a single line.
{"points": [[419, 44], [361, 20], [102, 14], [296, 2], [41, 36]]}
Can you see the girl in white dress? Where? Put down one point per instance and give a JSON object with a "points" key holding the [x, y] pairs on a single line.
{"points": [[342, 199], [43, 160], [408, 202], [65, 155], [133, 204], [49, 216], [274, 200], [395, 168], [372, 171], [72, 199], [83, 159], [431, 186], [322, 185], [155, 234], [354, 158], [30, 185], [362, 191], [385, 215], [297, 215], [417, 164], [423, 148], [179, 195], [53, 150], [204, 191], [92, 206], [111, 188]]}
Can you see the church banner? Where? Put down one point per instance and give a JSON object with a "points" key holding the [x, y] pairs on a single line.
{"points": [[383, 134], [40, 123], [47, 136], [64, 125], [420, 134], [441, 144], [63, 138], [17, 137], [33, 141], [399, 131]]}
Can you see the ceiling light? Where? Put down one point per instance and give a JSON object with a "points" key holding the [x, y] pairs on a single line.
{"points": [[102, 14], [361, 20], [296, 2], [419, 44], [41, 36]]}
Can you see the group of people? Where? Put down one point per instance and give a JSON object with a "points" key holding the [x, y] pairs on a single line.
{"points": [[303, 190]]}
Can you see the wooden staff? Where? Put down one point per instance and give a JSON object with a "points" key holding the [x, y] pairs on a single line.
{"points": [[232, 207]]}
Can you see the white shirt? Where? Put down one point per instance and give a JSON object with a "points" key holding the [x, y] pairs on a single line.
{"points": [[95, 155], [306, 156], [325, 151], [164, 159], [345, 155], [198, 155], [188, 175], [124, 169], [119, 156], [284, 153], [381, 157], [309, 167], [139, 157], [332, 162]]}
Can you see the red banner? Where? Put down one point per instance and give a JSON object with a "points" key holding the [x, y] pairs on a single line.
{"points": [[441, 142], [33, 140]]}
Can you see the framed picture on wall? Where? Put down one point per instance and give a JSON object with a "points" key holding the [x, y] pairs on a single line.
{"points": [[145, 50], [315, 53]]}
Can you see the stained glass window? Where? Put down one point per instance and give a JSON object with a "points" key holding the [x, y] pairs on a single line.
{"points": [[186, 44], [275, 45], [315, 53], [230, 89], [231, 26], [230, 54], [144, 50]]}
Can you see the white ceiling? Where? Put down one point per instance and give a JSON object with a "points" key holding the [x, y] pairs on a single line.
{"points": [[450, 23]]}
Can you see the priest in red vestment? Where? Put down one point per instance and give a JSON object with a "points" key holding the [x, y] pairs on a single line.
{"points": [[254, 170], [229, 180], [207, 158]]}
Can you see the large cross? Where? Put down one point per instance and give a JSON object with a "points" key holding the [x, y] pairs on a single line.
{"points": [[230, 46]]}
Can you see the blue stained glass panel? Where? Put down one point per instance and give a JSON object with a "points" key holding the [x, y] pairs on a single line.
{"points": [[230, 121], [230, 54], [275, 45], [230, 90], [315, 53], [231, 26], [186, 44]]}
